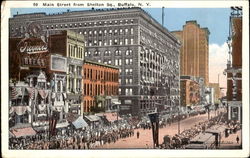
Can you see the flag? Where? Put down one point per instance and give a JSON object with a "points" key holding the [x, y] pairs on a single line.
{"points": [[43, 93], [31, 92], [14, 93], [52, 123]]}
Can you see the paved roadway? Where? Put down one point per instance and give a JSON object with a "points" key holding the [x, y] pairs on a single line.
{"points": [[145, 139]]}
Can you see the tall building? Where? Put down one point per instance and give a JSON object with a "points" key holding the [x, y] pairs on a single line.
{"points": [[146, 53], [194, 50], [234, 66]]}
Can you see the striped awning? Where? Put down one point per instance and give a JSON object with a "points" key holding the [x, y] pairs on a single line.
{"points": [[80, 123], [23, 132], [92, 118]]}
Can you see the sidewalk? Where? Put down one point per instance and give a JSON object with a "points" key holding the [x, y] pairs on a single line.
{"points": [[230, 141]]}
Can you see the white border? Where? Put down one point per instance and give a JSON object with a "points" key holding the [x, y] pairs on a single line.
{"points": [[5, 14]]}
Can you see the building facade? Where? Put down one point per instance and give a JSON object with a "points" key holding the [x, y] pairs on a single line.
{"points": [[100, 86], [216, 88], [146, 53], [39, 77], [189, 92], [194, 50], [70, 44], [234, 66]]}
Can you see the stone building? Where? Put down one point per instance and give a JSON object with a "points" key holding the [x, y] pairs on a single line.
{"points": [[194, 51], [146, 53], [70, 44], [216, 88], [100, 89]]}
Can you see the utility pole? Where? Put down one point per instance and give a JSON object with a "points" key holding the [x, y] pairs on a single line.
{"points": [[163, 16], [179, 120]]}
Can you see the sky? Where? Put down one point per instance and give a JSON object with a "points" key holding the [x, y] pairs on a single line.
{"points": [[215, 19]]}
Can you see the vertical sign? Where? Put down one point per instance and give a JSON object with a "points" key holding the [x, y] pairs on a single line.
{"points": [[154, 118]]}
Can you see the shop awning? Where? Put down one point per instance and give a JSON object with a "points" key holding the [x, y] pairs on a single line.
{"points": [[111, 117], [80, 123], [73, 96], [116, 103], [22, 132], [92, 118], [62, 125]]}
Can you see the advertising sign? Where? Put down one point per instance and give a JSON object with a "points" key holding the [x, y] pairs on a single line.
{"points": [[58, 63]]}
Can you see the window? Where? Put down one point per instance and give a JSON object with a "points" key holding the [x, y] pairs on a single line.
{"points": [[115, 42], [118, 52], [100, 43], [99, 61], [130, 81], [131, 41], [110, 32], [128, 52], [129, 91], [126, 41], [109, 62], [110, 42], [132, 31], [116, 62], [130, 61], [126, 31], [131, 71], [120, 62], [121, 31], [126, 61], [119, 80], [120, 91], [121, 41], [107, 53]]}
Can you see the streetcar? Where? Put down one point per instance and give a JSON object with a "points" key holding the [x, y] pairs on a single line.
{"points": [[202, 141]]}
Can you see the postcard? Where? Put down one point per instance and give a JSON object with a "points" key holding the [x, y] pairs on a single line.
{"points": [[125, 78]]}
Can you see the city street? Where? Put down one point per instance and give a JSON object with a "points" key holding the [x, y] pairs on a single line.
{"points": [[145, 138]]}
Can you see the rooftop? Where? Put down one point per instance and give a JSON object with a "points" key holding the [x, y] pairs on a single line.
{"points": [[100, 64]]}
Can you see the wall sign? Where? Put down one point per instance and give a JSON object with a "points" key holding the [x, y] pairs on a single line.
{"points": [[58, 63]]}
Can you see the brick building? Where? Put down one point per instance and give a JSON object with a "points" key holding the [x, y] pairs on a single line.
{"points": [[146, 53], [100, 85], [194, 50], [234, 66], [189, 92]]}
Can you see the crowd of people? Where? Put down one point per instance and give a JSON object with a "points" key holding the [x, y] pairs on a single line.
{"points": [[182, 139], [96, 138], [73, 139]]}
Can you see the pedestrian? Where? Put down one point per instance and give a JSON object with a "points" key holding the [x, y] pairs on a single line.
{"points": [[237, 139], [138, 134]]}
